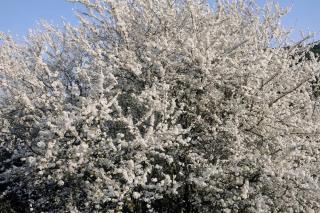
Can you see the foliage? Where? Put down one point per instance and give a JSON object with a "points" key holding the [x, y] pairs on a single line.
{"points": [[160, 106]]}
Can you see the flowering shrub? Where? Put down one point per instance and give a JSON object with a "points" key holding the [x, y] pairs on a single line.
{"points": [[160, 106]]}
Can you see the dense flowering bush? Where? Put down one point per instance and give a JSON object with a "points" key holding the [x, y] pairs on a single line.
{"points": [[160, 106]]}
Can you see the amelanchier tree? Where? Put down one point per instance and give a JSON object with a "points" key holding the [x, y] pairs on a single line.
{"points": [[160, 106]]}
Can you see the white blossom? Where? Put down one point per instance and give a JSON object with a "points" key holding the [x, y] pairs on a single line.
{"points": [[161, 106]]}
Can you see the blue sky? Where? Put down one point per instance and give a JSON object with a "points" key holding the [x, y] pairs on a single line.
{"points": [[303, 16], [17, 16]]}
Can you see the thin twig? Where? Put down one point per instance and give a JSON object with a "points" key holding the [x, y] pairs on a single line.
{"points": [[289, 91]]}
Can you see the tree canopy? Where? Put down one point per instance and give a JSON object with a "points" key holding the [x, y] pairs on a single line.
{"points": [[160, 106]]}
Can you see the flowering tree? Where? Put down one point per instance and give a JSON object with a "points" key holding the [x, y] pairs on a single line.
{"points": [[160, 106]]}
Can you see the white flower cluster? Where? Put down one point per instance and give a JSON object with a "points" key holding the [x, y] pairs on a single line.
{"points": [[161, 106]]}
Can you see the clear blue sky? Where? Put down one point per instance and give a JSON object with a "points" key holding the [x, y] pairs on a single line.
{"points": [[19, 15], [303, 16]]}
